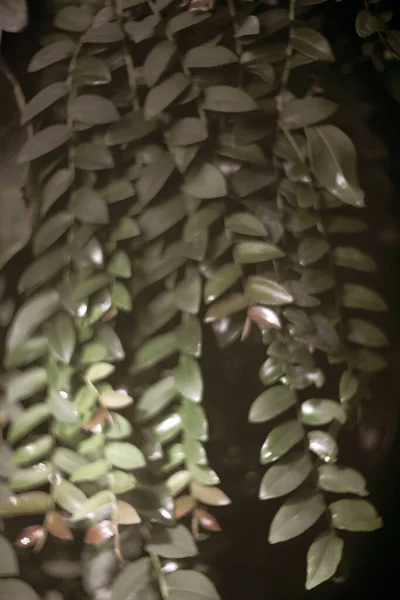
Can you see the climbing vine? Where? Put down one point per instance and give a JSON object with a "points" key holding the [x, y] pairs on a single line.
{"points": [[180, 179]]}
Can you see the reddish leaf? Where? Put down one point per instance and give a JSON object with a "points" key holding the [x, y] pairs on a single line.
{"points": [[126, 514], [97, 419], [207, 521], [57, 526], [195, 526], [183, 506], [100, 532], [31, 536], [265, 317], [209, 495]]}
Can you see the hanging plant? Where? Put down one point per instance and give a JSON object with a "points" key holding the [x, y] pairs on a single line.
{"points": [[177, 183]]}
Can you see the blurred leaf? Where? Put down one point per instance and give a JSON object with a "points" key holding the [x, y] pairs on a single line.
{"points": [[15, 224], [121, 482], [107, 33], [42, 269], [57, 526], [285, 477], [348, 386], [120, 429], [345, 225], [51, 230], [306, 111], [121, 297], [271, 403], [202, 219], [50, 54], [367, 361], [323, 558], [225, 307], [30, 503], [187, 293], [115, 399], [354, 515], [260, 290], [247, 181], [190, 585], [321, 412], [134, 576], [45, 98], [155, 399], [32, 452], [31, 477], [172, 543], [203, 474], [27, 421], [89, 206], [67, 460], [254, 252], [142, 30], [154, 350], [13, 15], [160, 218], [99, 371], [16, 588], [88, 509], [68, 496], [311, 43], [98, 533], [73, 18], [333, 162], [189, 336], [358, 296], [62, 338], [353, 258], [245, 224], [296, 515], [23, 384], [178, 482], [91, 70], [323, 445], [271, 371], [153, 177], [183, 506], [93, 157], [194, 420], [225, 98], [186, 131], [90, 472], [126, 514], [184, 20], [124, 456], [341, 480], [367, 24], [316, 282], [130, 128], [221, 280], [209, 495], [366, 334], [207, 182], [157, 61], [8, 560], [312, 250], [280, 440]]}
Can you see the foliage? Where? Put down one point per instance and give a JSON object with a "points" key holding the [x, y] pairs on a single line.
{"points": [[175, 178]]}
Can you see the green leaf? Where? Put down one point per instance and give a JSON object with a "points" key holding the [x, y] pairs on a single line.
{"points": [[134, 576], [280, 440], [61, 407], [164, 94], [186, 131], [367, 24], [62, 338], [92, 445], [358, 296], [184, 20], [367, 361], [30, 503], [220, 281], [67, 461], [188, 378], [93, 157], [130, 128], [142, 30], [260, 290], [187, 293], [245, 224], [33, 451], [92, 109], [126, 229], [203, 475], [108, 33], [248, 181], [51, 54], [255, 251], [296, 515], [166, 428], [194, 452], [225, 307], [124, 456], [91, 70], [345, 225], [178, 482], [311, 43], [162, 217], [45, 98], [172, 543], [334, 163], [189, 336], [157, 313], [21, 385], [155, 399], [225, 98], [108, 338], [271, 403], [354, 515], [194, 421], [51, 231], [73, 18], [99, 371], [55, 187], [117, 190], [353, 258], [121, 297], [271, 371], [348, 386], [306, 111], [190, 585], [101, 501], [208, 56], [316, 282], [154, 350], [205, 182], [42, 269], [311, 250], [321, 412], [27, 352], [323, 558], [31, 477], [365, 333], [120, 429], [16, 588], [157, 61], [285, 477], [8, 560], [16, 224], [121, 482], [201, 220], [43, 142], [90, 472], [27, 421], [323, 445], [14, 17], [183, 155], [341, 480], [89, 206], [153, 177]]}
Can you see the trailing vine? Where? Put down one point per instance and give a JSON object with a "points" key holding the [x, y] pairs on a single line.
{"points": [[194, 185]]}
